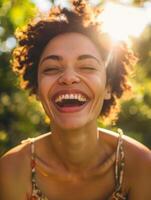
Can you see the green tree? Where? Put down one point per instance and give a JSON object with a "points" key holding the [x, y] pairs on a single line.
{"points": [[20, 116], [135, 117]]}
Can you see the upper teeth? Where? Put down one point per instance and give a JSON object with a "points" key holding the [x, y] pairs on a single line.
{"points": [[79, 97]]}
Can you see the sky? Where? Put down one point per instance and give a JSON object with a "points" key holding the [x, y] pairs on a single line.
{"points": [[119, 20]]}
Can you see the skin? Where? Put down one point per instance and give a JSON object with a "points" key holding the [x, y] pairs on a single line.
{"points": [[76, 157], [73, 131]]}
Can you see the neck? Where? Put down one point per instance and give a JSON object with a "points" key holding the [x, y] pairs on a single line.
{"points": [[77, 149]]}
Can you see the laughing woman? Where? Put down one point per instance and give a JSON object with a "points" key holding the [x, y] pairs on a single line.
{"points": [[64, 60]]}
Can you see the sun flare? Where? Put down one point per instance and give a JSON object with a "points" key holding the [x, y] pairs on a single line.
{"points": [[120, 21]]}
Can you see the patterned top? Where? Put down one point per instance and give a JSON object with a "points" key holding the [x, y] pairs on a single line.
{"points": [[119, 171]]}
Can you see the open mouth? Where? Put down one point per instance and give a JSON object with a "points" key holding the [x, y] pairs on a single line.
{"points": [[70, 102]]}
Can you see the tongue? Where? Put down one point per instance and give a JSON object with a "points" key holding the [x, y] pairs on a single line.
{"points": [[70, 103]]}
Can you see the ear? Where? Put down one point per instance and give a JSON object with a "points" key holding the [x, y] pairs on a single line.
{"points": [[107, 95]]}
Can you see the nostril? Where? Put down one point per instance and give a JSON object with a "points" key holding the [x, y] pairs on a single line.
{"points": [[69, 78]]}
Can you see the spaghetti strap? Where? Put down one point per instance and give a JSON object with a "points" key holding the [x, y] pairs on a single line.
{"points": [[36, 193], [119, 168], [119, 172], [33, 170], [119, 163], [33, 162]]}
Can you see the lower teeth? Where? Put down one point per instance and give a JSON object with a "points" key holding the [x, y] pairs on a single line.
{"points": [[70, 103]]}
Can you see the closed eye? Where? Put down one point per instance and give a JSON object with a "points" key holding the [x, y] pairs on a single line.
{"points": [[88, 68], [51, 70]]}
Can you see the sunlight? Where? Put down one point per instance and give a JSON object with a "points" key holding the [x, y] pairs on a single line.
{"points": [[43, 5], [120, 21]]}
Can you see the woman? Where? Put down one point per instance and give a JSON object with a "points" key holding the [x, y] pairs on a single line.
{"points": [[65, 61]]}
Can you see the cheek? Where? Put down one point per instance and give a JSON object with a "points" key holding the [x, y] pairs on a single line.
{"points": [[98, 83], [44, 89], [44, 85]]}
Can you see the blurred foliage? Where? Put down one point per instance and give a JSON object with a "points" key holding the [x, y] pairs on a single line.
{"points": [[135, 117], [21, 116]]}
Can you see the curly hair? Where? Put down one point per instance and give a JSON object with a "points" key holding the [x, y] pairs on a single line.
{"points": [[81, 18]]}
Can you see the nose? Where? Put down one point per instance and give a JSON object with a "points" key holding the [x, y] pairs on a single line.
{"points": [[69, 77]]}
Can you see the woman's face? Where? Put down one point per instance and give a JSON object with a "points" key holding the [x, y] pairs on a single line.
{"points": [[71, 81]]}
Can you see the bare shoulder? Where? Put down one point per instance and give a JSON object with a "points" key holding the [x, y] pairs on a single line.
{"points": [[20, 155], [14, 157], [132, 148], [137, 169], [137, 153], [14, 171]]}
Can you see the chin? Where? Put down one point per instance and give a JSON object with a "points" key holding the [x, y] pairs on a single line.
{"points": [[69, 124]]}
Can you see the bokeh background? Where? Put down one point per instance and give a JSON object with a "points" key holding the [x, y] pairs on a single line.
{"points": [[21, 116]]}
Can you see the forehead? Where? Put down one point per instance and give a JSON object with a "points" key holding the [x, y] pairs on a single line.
{"points": [[71, 44]]}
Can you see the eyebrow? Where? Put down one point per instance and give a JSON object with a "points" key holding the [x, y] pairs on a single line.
{"points": [[60, 58], [52, 57], [88, 56]]}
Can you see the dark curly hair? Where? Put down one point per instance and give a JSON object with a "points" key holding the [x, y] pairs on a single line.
{"points": [[81, 18]]}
